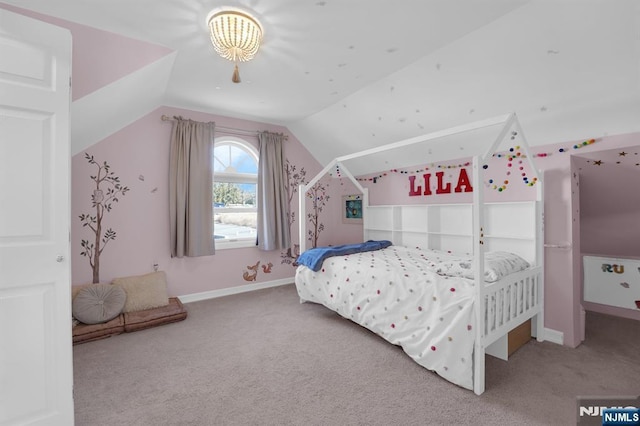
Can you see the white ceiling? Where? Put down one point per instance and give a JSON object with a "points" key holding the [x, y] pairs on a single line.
{"points": [[346, 75]]}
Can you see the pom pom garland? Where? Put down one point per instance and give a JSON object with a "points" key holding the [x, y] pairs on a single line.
{"points": [[513, 154]]}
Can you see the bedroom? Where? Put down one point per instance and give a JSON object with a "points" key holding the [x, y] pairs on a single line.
{"points": [[584, 90]]}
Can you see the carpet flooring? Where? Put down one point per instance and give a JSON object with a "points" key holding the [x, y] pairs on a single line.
{"points": [[262, 358]]}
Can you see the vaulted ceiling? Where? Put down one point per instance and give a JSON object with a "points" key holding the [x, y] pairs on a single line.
{"points": [[349, 75]]}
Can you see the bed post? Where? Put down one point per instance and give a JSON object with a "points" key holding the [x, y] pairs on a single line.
{"points": [[478, 251], [537, 329], [365, 215], [539, 324]]}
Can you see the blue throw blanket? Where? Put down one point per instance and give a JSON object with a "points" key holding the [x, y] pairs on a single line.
{"points": [[314, 257]]}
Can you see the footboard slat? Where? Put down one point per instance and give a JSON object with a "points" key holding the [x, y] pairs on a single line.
{"points": [[517, 299], [505, 305], [530, 292], [492, 310], [514, 298]]}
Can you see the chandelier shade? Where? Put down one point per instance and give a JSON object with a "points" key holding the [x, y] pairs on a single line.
{"points": [[235, 35]]}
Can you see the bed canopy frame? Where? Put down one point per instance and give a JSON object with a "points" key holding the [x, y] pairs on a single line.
{"points": [[479, 141]]}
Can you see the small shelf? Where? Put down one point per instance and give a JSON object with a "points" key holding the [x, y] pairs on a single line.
{"points": [[510, 237], [380, 229], [450, 234], [415, 231], [422, 231]]}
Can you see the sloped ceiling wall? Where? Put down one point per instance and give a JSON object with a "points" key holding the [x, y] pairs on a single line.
{"points": [[552, 65]]}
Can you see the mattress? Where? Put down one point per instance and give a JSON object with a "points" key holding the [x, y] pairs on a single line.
{"points": [[397, 294]]}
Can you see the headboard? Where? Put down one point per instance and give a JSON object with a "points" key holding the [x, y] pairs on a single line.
{"points": [[508, 226]]}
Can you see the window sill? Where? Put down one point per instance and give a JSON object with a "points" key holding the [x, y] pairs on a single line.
{"points": [[234, 244]]}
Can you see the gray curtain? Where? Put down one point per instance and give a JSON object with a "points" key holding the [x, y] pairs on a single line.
{"points": [[273, 205], [191, 189]]}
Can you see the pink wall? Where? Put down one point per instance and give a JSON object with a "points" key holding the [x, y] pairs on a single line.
{"points": [[139, 156], [610, 203]]}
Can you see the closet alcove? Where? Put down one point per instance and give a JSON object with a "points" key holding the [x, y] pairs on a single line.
{"points": [[608, 186]]}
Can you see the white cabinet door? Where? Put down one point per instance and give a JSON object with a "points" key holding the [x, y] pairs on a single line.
{"points": [[36, 373]]}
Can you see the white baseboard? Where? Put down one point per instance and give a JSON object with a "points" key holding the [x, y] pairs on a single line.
{"points": [[188, 298], [553, 336]]}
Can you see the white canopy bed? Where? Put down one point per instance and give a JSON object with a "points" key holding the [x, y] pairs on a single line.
{"points": [[444, 309]]}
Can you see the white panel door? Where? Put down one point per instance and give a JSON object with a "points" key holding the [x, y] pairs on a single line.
{"points": [[36, 374]]}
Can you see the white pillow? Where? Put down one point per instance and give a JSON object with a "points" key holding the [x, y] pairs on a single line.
{"points": [[497, 264]]}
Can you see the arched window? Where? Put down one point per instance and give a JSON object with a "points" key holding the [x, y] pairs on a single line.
{"points": [[235, 180]]}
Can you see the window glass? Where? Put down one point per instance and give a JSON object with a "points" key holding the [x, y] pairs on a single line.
{"points": [[233, 157], [235, 178]]}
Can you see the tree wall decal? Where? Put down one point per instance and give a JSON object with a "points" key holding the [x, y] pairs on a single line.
{"points": [[319, 197], [294, 178], [101, 201]]}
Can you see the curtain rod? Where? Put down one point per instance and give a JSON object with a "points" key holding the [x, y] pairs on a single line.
{"points": [[223, 129]]}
